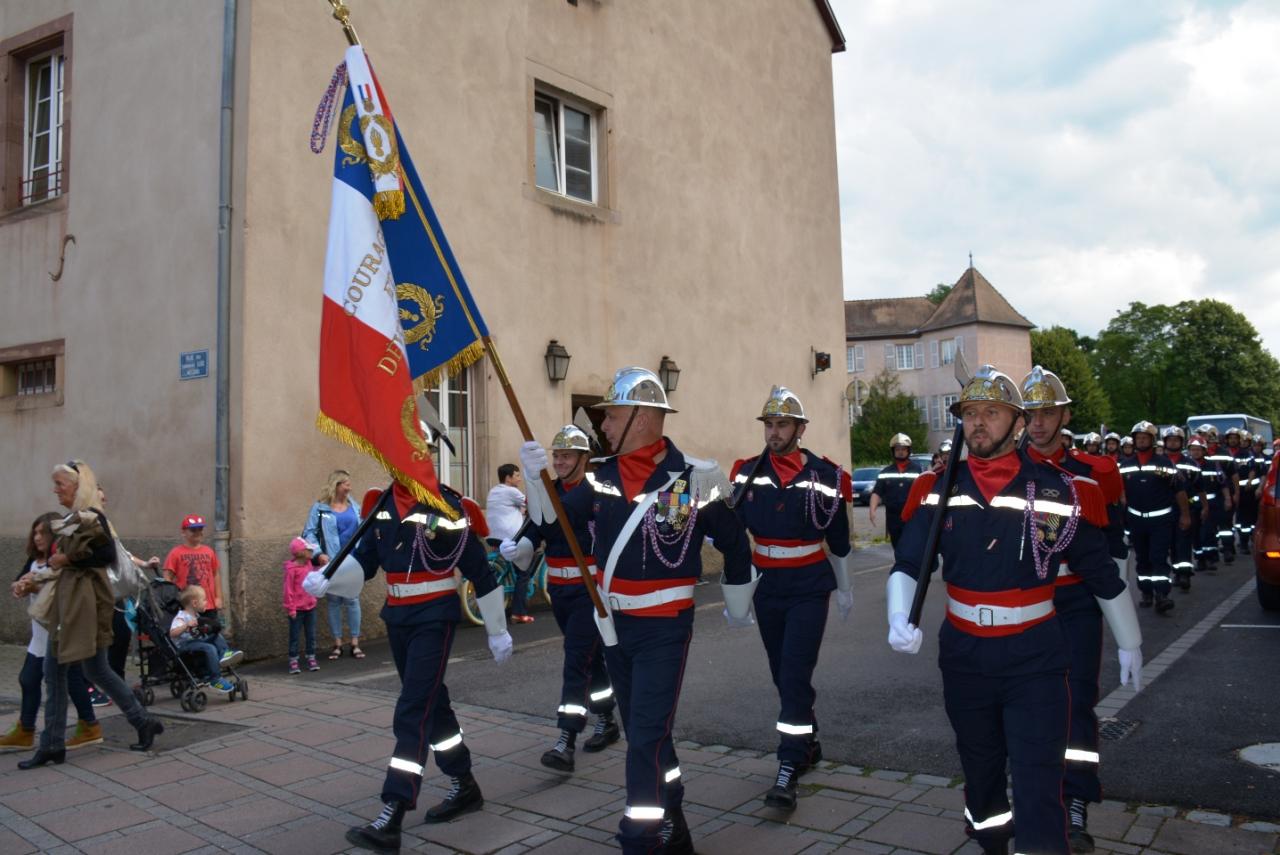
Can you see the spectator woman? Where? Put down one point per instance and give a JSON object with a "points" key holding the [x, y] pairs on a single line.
{"points": [[332, 522], [80, 614]]}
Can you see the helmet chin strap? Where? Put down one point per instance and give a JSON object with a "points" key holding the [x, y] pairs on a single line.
{"points": [[622, 440]]}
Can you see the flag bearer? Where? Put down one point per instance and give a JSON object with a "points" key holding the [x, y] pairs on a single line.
{"points": [[652, 507], [793, 502], [1008, 524], [893, 485], [585, 684], [1157, 506]]}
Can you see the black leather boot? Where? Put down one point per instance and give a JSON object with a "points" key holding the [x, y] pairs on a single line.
{"points": [[560, 757], [813, 757], [605, 735], [1077, 835], [784, 792], [147, 733], [41, 757], [675, 834], [463, 797], [383, 834], [1163, 603]]}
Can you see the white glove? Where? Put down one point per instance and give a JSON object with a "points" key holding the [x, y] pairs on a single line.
{"points": [[519, 554], [903, 637], [500, 646], [844, 603], [738, 622], [533, 459], [1131, 666], [316, 584]]}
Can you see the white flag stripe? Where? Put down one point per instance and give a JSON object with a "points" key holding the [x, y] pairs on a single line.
{"points": [[357, 270]]}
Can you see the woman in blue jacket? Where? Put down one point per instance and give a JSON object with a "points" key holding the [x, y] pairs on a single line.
{"points": [[331, 523]]}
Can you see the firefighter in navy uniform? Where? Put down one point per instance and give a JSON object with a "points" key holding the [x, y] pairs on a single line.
{"points": [[1004, 656], [584, 683], [1206, 505], [652, 508], [1247, 465], [1184, 539], [1111, 445], [1093, 443], [793, 502], [1048, 407], [1157, 506], [893, 485], [1222, 456], [419, 549]]}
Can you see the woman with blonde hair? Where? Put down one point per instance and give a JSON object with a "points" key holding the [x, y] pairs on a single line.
{"points": [[333, 521], [80, 614]]}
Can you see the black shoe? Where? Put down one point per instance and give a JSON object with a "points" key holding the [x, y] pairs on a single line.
{"points": [[1229, 558], [41, 757], [783, 795], [994, 847], [1078, 815], [464, 797], [1163, 603], [1184, 581], [560, 757], [813, 759], [606, 734], [1145, 602], [383, 834], [675, 834], [147, 733]]}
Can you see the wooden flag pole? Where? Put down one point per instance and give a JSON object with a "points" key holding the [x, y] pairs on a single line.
{"points": [[565, 526]]}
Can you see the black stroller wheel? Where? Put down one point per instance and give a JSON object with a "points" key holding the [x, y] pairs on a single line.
{"points": [[198, 701], [175, 688], [185, 700], [243, 687], [148, 696]]}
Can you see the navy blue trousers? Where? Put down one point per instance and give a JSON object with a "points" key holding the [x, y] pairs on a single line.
{"points": [[423, 718], [1081, 621], [647, 667], [585, 684], [791, 628], [1021, 720], [1152, 541], [1182, 545]]}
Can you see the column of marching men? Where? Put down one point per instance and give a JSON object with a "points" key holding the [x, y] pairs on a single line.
{"points": [[1033, 541]]}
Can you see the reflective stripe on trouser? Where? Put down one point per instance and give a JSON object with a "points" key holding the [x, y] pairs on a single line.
{"points": [[1081, 621], [1206, 538], [1019, 720], [791, 629], [1182, 546], [647, 666], [423, 718], [585, 680], [1151, 546]]}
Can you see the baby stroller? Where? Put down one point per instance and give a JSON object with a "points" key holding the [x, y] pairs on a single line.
{"points": [[159, 660]]}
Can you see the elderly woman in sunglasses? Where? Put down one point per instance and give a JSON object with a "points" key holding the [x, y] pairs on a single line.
{"points": [[80, 613]]}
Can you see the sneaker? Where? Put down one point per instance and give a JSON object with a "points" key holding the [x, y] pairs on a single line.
{"points": [[560, 757], [231, 658], [312, 664], [606, 734], [97, 698], [464, 796], [293, 666], [522, 618], [223, 685], [18, 739], [87, 733], [383, 834]]}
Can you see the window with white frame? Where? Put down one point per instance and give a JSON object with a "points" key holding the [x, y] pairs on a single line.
{"points": [[949, 350], [948, 420], [565, 147], [452, 400], [922, 408], [42, 169], [935, 412], [905, 356], [855, 358]]}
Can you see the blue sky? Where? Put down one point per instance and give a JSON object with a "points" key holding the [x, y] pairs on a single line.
{"points": [[1089, 154]]}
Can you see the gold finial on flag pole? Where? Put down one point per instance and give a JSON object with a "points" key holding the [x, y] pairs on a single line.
{"points": [[342, 15]]}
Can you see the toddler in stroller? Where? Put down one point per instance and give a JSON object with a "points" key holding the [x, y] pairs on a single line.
{"points": [[176, 643]]}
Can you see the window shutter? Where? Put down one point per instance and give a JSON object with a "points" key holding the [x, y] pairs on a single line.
{"points": [[919, 360], [933, 353], [890, 358], [960, 344], [935, 419], [859, 358]]}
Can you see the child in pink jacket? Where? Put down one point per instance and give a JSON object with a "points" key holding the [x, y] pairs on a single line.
{"points": [[300, 605]]}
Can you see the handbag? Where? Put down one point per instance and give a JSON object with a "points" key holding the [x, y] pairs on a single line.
{"points": [[44, 607], [126, 580]]}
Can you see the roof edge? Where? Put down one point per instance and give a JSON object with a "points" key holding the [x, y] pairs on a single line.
{"points": [[833, 26]]}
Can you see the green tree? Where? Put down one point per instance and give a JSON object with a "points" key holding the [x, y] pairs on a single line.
{"points": [[1165, 363], [1057, 349], [939, 293], [886, 411]]}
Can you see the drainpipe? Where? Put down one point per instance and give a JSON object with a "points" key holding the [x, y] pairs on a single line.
{"points": [[222, 440]]}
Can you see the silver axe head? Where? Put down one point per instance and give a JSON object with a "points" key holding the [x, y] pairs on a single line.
{"points": [[431, 418], [963, 376], [582, 422]]}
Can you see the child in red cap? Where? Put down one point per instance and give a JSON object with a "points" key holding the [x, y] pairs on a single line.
{"points": [[300, 605], [194, 563]]}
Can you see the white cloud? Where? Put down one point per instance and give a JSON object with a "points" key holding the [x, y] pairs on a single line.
{"points": [[1083, 152]]}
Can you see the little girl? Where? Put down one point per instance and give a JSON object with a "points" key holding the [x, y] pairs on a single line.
{"points": [[299, 604]]}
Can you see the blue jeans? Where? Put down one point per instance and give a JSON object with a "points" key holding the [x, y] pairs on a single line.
{"points": [[98, 672], [338, 606], [30, 679], [305, 621], [211, 647]]}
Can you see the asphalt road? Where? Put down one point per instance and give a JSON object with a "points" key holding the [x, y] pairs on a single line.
{"points": [[881, 709]]}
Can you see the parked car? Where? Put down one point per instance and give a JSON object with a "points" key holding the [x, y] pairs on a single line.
{"points": [[1266, 541], [864, 479], [925, 460]]}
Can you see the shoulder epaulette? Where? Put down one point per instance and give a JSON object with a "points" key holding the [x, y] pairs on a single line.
{"points": [[1107, 473], [475, 517], [709, 482], [920, 488], [1093, 505], [739, 465]]}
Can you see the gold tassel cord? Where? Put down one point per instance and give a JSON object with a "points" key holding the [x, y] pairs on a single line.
{"points": [[347, 436], [469, 355]]}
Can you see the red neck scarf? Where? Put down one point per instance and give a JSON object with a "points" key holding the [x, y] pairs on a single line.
{"points": [[404, 499], [994, 474], [902, 464], [1056, 457], [635, 467], [1144, 457], [569, 485], [1175, 456], [787, 466]]}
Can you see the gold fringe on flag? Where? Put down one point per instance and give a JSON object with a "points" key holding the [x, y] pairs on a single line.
{"points": [[346, 435], [388, 204], [469, 355]]}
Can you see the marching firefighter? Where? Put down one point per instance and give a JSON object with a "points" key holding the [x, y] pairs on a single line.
{"points": [[793, 502], [1208, 505], [419, 549], [1248, 466], [1184, 539], [1048, 407], [1222, 456], [944, 455], [652, 508], [1111, 445], [893, 485], [1093, 443], [1008, 523], [584, 684], [1157, 505], [1068, 440]]}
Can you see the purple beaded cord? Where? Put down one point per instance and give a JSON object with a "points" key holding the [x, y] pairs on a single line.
{"points": [[815, 504], [423, 552], [324, 112], [1042, 555], [651, 537]]}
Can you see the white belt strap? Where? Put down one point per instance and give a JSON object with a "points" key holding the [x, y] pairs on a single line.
{"points": [[1147, 516], [417, 589], [788, 551], [568, 572], [660, 597], [999, 615]]}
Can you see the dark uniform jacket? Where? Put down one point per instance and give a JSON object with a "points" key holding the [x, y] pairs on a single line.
{"points": [[1150, 487], [893, 486], [562, 569]]}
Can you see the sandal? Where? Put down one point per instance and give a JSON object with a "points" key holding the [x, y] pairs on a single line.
{"points": [[356, 652], [336, 652]]}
